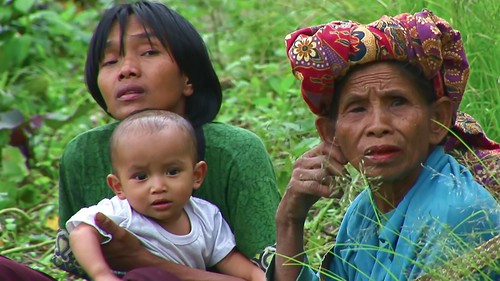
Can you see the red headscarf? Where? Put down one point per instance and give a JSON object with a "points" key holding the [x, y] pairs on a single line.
{"points": [[320, 55]]}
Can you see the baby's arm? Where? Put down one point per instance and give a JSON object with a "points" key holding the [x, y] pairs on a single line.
{"points": [[85, 242], [236, 264]]}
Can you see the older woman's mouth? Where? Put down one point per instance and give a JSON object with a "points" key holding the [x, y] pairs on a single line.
{"points": [[381, 153]]}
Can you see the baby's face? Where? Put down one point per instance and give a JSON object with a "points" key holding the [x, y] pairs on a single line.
{"points": [[156, 172]]}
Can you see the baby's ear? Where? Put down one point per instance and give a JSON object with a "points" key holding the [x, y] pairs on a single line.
{"points": [[199, 173], [442, 114], [115, 185], [326, 129]]}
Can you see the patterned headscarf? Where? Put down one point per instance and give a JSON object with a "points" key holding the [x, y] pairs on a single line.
{"points": [[320, 55]]}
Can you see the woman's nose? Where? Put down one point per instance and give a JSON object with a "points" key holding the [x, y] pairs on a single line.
{"points": [[129, 68], [380, 123]]}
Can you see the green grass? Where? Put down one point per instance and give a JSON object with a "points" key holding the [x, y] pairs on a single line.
{"points": [[246, 42]]}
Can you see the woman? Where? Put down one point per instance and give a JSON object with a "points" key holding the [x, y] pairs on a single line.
{"points": [[144, 55], [385, 94]]}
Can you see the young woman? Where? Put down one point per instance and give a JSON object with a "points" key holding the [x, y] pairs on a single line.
{"points": [[146, 56]]}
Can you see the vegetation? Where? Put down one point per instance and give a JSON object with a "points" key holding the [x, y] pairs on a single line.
{"points": [[45, 104]]}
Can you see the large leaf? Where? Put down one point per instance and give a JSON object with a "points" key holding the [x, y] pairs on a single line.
{"points": [[13, 51], [11, 119], [8, 195], [23, 6], [13, 165]]}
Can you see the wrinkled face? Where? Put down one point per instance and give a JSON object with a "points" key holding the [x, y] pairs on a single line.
{"points": [[384, 124], [143, 76], [156, 173]]}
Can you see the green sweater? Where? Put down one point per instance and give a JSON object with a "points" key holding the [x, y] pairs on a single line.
{"points": [[240, 180]]}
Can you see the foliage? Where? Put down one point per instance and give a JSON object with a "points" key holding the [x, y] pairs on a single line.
{"points": [[44, 102]]}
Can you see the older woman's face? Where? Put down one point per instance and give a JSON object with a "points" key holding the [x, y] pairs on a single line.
{"points": [[383, 124]]}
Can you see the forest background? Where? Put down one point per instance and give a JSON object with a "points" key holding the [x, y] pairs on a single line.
{"points": [[44, 102]]}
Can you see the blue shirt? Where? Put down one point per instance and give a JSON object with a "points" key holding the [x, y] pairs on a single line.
{"points": [[443, 215]]}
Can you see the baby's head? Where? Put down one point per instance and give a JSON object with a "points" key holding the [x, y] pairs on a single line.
{"points": [[151, 122], [154, 160]]}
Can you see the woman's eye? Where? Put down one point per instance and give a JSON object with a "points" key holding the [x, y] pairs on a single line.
{"points": [[140, 176], [108, 62], [172, 172], [150, 53], [398, 101], [355, 109]]}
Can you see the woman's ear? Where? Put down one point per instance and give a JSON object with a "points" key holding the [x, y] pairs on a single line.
{"points": [[199, 173], [326, 129], [188, 86], [442, 114], [115, 185]]}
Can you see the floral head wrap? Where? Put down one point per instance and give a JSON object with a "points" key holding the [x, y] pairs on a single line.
{"points": [[320, 55]]}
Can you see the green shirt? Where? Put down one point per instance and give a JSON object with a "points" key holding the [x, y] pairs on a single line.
{"points": [[240, 180]]}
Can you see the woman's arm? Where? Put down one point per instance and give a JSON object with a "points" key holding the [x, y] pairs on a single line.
{"points": [[311, 179], [236, 264], [85, 242], [125, 252], [242, 183]]}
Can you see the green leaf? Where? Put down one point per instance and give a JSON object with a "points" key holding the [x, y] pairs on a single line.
{"points": [[4, 138], [23, 6], [5, 13], [11, 119], [8, 195], [13, 51], [13, 165]]}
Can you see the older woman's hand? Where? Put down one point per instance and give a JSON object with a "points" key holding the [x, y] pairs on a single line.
{"points": [[312, 177]]}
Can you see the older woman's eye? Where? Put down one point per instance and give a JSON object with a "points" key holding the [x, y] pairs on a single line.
{"points": [[140, 176], [356, 109], [398, 101]]}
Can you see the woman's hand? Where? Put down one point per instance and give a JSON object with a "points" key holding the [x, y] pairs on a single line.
{"points": [[312, 177], [124, 252]]}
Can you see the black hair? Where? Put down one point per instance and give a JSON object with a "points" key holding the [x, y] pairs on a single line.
{"points": [[424, 86], [181, 40]]}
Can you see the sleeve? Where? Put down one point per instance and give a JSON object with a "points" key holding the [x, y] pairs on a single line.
{"points": [[82, 182], [63, 257], [224, 240], [242, 184], [111, 208], [472, 220], [69, 183], [254, 198]]}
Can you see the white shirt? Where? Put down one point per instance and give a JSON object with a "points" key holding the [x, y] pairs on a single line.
{"points": [[209, 241]]}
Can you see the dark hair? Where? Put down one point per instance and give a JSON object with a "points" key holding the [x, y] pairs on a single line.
{"points": [[182, 41], [424, 86]]}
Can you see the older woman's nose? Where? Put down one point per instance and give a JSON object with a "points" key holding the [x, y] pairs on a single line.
{"points": [[129, 68], [379, 123]]}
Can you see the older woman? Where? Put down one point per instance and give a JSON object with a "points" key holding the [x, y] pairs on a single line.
{"points": [[385, 94]]}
